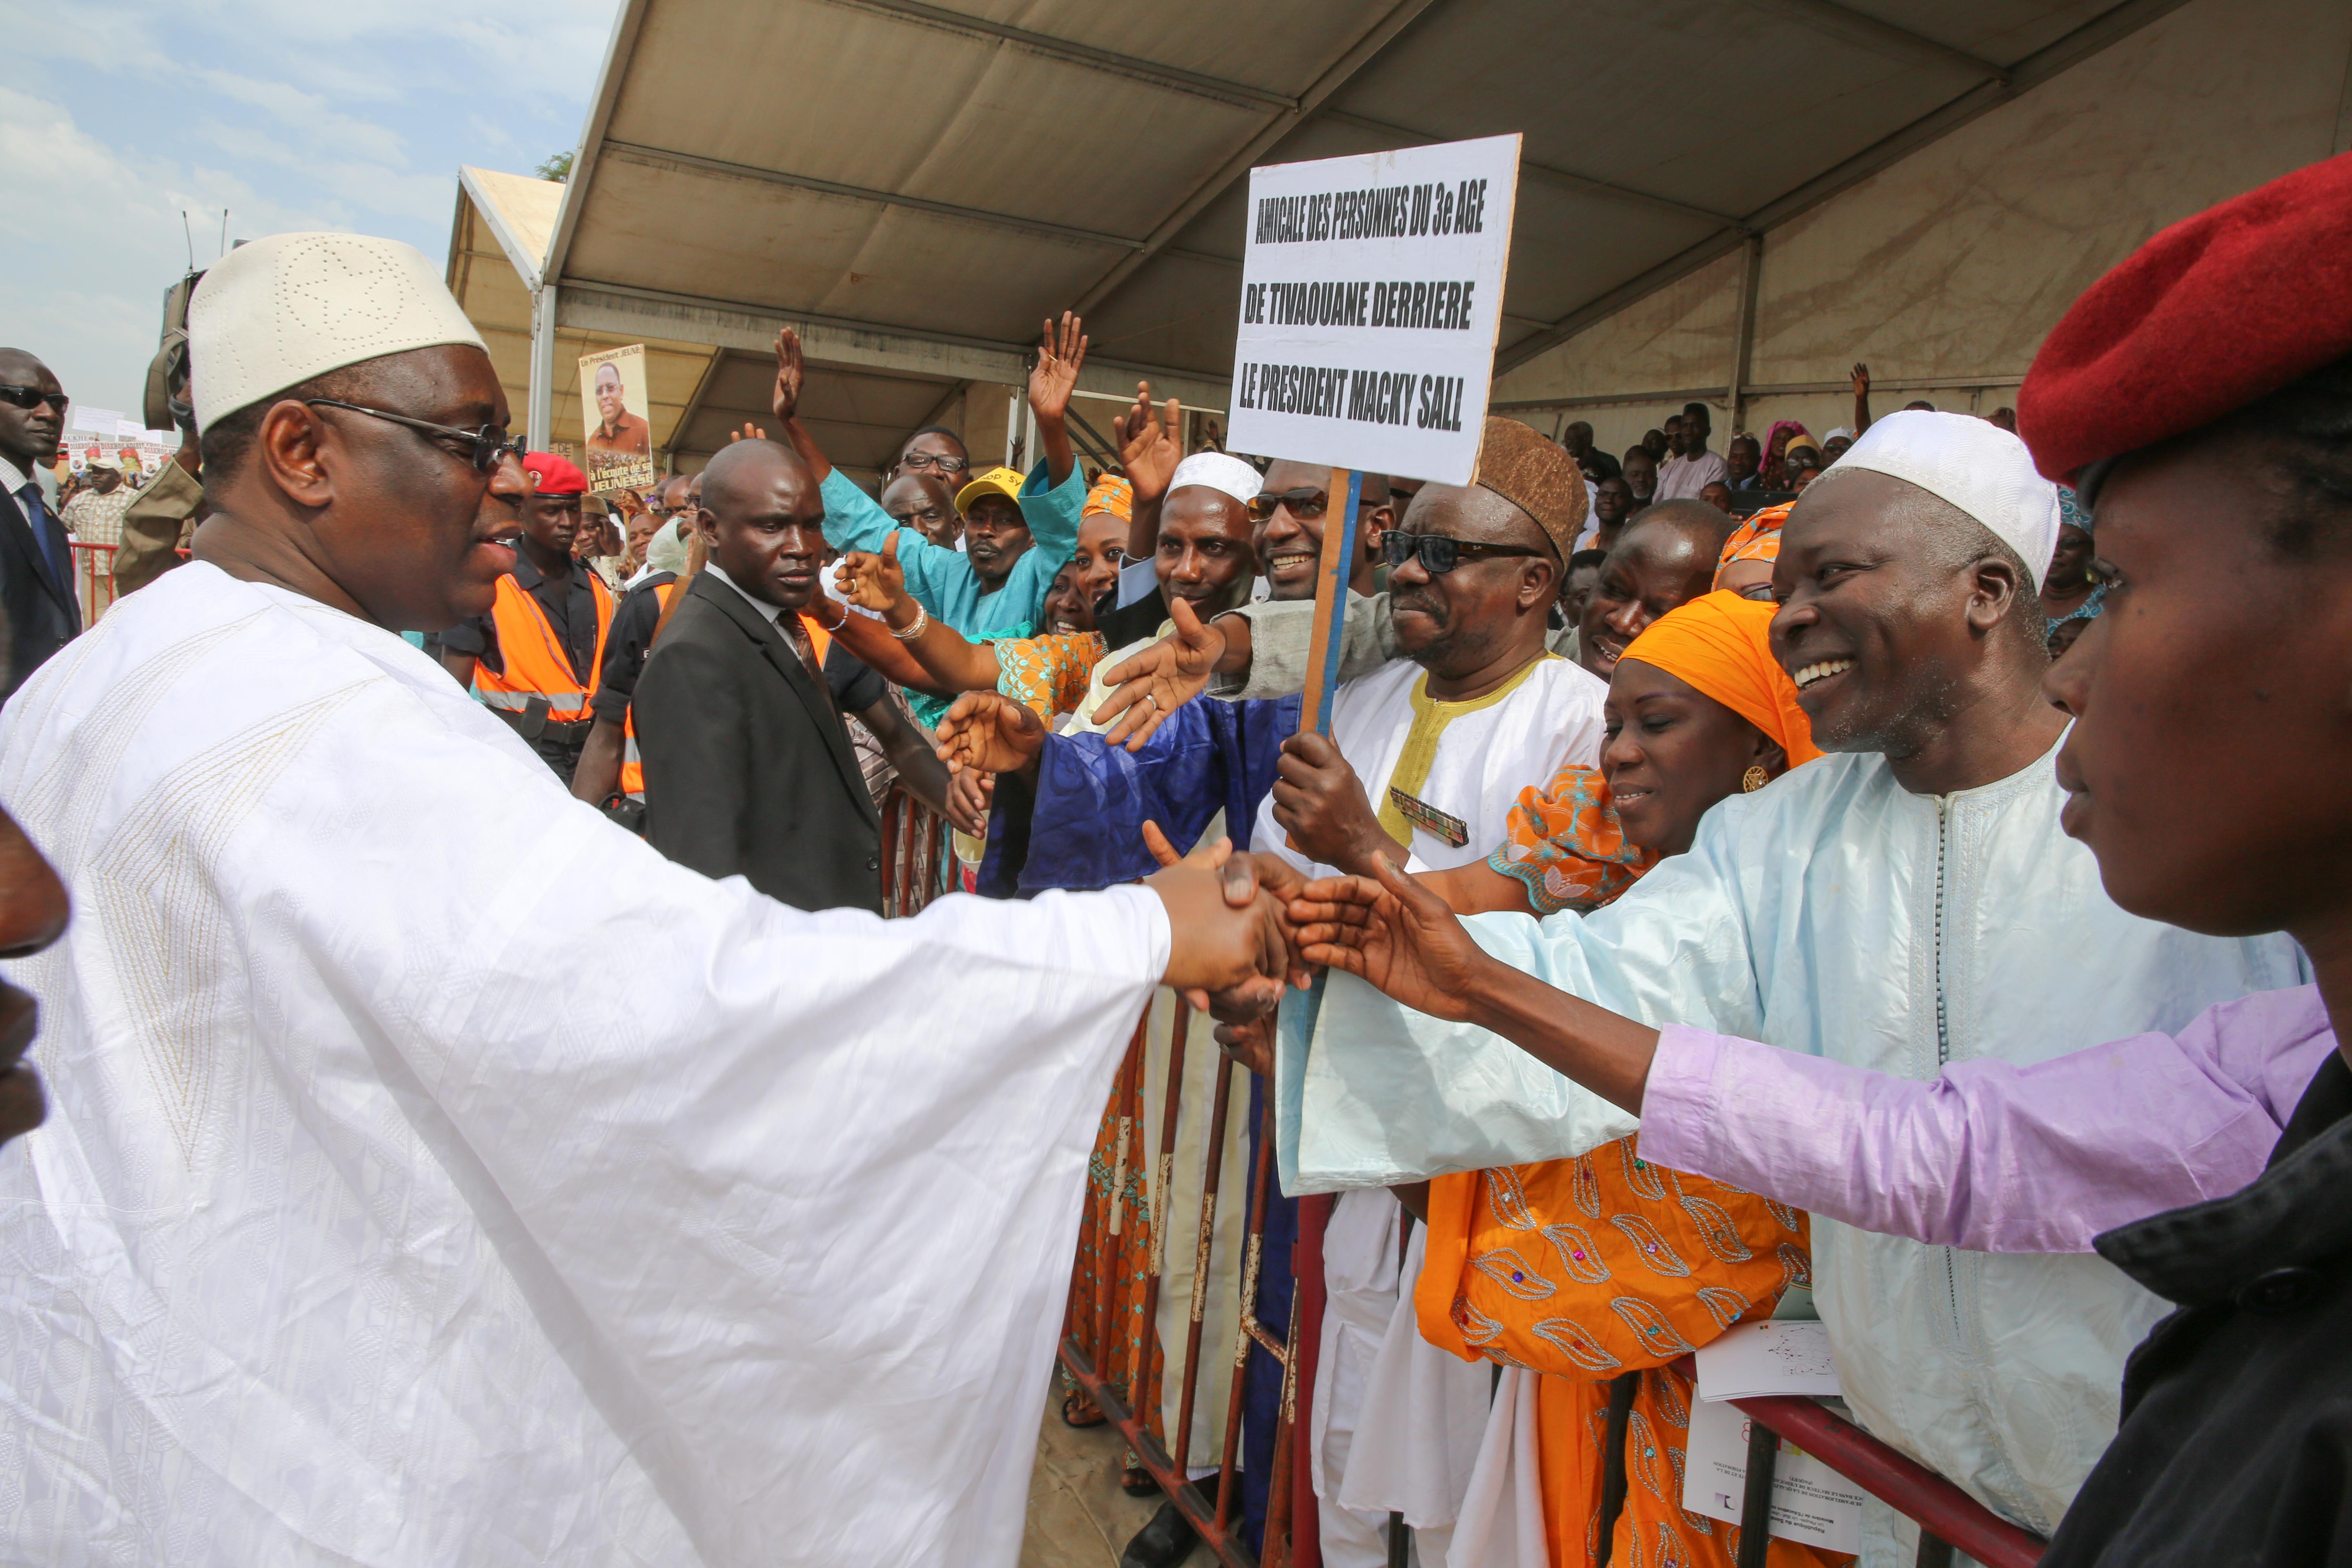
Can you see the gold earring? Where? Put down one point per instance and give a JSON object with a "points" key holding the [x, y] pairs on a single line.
{"points": [[1754, 779]]}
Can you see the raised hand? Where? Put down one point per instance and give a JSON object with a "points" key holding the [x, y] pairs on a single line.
{"points": [[1055, 374], [1861, 380], [987, 732], [790, 375], [1320, 802], [1149, 449], [750, 432], [877, 583], [1154, 683], [1394, 933]]}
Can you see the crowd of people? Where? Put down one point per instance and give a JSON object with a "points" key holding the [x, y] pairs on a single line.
{"points": [[487, 1120]]}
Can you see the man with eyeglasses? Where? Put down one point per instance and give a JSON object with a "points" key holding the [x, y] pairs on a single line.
{"points": [[36, 573], [1425, 758], [1289, 513], [935, 450], [372, 1186]]}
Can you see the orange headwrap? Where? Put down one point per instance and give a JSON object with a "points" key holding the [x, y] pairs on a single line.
{"points": [[1717, 644], [1113, 495], [1758, 539]]}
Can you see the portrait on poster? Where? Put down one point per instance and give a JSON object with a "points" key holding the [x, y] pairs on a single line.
{"points": [[620, 440]]}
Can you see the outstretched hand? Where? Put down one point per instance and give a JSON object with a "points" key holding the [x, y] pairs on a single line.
{"points": [[1055, 374], [750, 432], [1248, 878], [790, 375], [1154, 683], [1148, 449], [873, 582], [985, 731], [1861, 379], [1391, 932]]}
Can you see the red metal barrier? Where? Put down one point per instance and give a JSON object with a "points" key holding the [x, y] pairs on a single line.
{"points": [[919, 861], [1218, 1522], [1943, 1510]]}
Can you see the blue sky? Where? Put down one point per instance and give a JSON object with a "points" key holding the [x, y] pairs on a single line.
{"points": [[115, 115]]}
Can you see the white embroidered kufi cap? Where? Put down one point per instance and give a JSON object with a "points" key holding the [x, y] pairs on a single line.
{"points": [[1219, 471], [1975, 465], [276, 312]]}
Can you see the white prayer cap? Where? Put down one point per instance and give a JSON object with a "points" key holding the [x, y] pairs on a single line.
{"points": [[1978, 467], [1838, 430], [1219, 472], [278, 311]]}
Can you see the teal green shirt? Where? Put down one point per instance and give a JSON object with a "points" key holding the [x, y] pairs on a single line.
{"points": [[943, 582]]}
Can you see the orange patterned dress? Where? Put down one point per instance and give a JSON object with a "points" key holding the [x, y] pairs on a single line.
{"points": [[1115, 1253], [1590, 1269]]}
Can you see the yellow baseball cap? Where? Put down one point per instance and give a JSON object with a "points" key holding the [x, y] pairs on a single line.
{"points": [[999, 482]]}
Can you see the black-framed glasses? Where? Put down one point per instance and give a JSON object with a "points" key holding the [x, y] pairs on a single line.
{"points": [[33, 397], [1441, 553], [943, 463], [1305, 505], [491, 444]]}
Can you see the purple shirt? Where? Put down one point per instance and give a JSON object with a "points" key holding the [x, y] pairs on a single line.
{"points": [[1989, 1156]]}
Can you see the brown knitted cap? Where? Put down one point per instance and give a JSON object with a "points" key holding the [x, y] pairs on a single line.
{"points": [[1535, 475]]}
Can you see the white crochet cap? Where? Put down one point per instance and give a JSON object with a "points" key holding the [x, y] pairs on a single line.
{"points": [[1219, 472], [1978, 467], [278, 311]]}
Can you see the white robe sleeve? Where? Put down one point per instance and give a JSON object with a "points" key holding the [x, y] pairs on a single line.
{"points": [[803, 1187], [1384, 1094], [466, 1183]]}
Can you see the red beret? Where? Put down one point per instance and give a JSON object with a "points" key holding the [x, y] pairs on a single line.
{"points": [[554, 476], [2213, 313]]}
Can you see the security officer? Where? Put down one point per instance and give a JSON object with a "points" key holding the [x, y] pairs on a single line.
{"points": [[534, 659]]}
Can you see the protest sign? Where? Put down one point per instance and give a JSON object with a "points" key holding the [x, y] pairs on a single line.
{"points": [[1371, 293], [619, 443]]}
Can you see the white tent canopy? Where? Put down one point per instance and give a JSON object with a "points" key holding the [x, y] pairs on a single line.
{"points": [[1712, 189]]}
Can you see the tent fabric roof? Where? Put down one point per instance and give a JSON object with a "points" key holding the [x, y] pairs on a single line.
{"points": [[964, 169], [948, 175]]}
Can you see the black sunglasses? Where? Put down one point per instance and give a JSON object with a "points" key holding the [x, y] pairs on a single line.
{"points": [[33, 397], [1305, 505], [946, 465], [1439, 555], [491, 444]]}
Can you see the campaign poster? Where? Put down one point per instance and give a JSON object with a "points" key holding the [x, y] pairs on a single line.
{"points": [[1371, 295], [619, 439]]}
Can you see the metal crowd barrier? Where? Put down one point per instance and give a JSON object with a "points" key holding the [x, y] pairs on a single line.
{"points": [[919, 863], [1948, 1516], [1215, 1520]]}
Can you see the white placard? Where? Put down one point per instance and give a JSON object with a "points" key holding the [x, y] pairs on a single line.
{"points": [[1772, 1356], [95, 421], [1371, 293], [1810, 1502]]}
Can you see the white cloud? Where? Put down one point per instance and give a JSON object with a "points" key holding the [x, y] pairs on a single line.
{"points": [[119, 114]]}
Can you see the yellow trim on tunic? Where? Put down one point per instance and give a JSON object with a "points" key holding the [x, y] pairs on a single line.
{"points": [[1430, 718]]}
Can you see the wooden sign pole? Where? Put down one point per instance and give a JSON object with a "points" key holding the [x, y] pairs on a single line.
{"points": [[1331, 576]]}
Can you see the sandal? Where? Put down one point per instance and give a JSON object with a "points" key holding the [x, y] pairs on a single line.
{"points": [[1136, 1481], [1079, 1411]]}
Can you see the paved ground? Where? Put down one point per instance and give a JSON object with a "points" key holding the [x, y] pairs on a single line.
{"points": [[1078, 1516]]}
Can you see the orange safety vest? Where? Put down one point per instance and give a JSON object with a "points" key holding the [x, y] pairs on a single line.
{"points": [[536, 664], [633, 763]]}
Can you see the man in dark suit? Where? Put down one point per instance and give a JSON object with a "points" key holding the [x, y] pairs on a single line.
{"points": [[36, 563], [747, 766]]}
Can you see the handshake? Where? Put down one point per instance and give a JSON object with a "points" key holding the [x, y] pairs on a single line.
{"points": [[1244, 926]]}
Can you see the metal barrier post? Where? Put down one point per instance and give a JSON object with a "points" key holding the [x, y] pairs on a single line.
{"points": [[1209, 1183]]}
